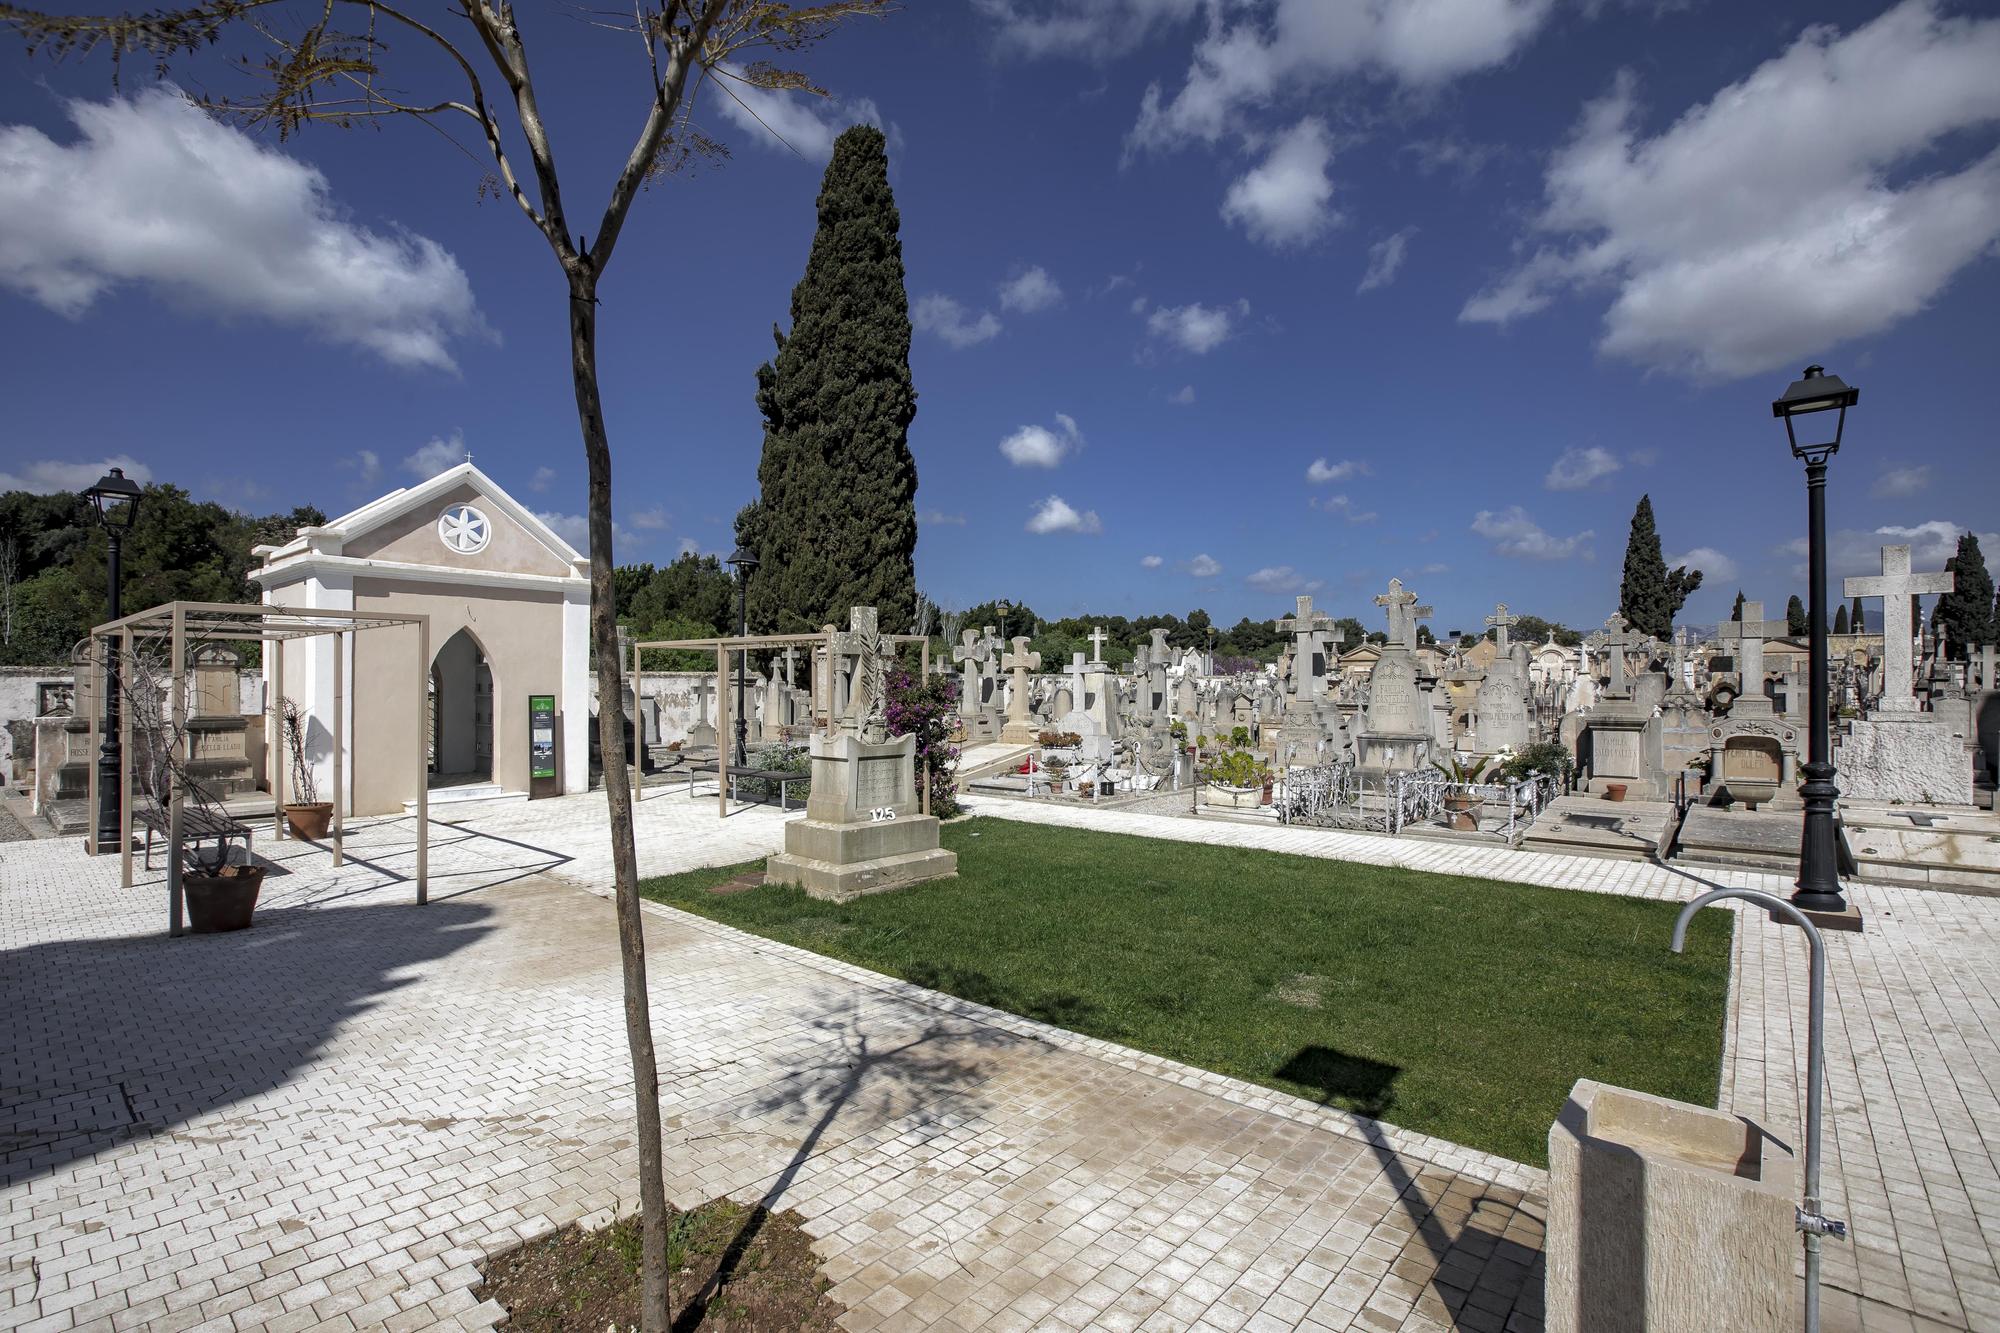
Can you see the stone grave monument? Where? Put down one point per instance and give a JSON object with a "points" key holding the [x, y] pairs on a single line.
{"points": [[1619, 733], [1754, 751], [217, 729], [1020, 728], [1395, 735], [1899, 752]]}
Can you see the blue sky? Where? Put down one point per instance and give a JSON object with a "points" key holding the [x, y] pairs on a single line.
{"points": [[1217, 303]]}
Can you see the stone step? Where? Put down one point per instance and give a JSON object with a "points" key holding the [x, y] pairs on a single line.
{"points": [[465, 795]]}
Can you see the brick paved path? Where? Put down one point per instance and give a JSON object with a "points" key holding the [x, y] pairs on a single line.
{"points": [[328, 1119]]}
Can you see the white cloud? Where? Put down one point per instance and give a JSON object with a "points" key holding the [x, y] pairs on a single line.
{"points": [[1056, 515], [944, 316], [1320, 472], [440, 454], [1385, 260], [1204, 566], [544, 477], [46, 476], [1287, 200], [1083, 30], [157, 194], [1283, 48], [1282, 578], [688, 546], [369, 464], [1708, 560], [1038, 446], [1151, 561], [1030, 291], [1194, 327], [788, 121], [1435, 567], [1900, 483], [938, 518], [1513, 532], [650, 520], [575, 529], [1807, 205], [1182, 396], [1851, 551], [1342, 505], [1578, 469]]}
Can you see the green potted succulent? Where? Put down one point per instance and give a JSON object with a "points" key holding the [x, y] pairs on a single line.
{"points": [[1237, 778], [1463, 806]]}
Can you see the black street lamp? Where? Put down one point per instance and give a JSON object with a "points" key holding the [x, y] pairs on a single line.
{"points": [[742, 561], [117, 502], [1819, 862]]}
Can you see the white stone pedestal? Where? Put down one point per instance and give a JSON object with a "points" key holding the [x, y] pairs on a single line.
{"points": [[863, 831], [1912, 758]]}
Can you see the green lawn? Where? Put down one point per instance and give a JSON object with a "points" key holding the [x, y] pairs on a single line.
{"points": [[1458, 1007]]}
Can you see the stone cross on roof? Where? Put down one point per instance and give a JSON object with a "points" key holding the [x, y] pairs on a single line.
{"points": [[1748, 634], [1404, 613], [1501, 623], [1097, 636], [1616, 638], [1895, 585]]}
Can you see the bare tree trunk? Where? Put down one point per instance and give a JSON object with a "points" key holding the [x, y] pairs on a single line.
{"points": [[653, 1308]]}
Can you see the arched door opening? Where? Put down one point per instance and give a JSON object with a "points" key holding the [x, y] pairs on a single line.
{"points": [[461, 710]]}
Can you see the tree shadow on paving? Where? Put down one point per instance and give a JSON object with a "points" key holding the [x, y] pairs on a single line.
{"points": [[1476, 1254], [868, 1065], [116, 1040]]}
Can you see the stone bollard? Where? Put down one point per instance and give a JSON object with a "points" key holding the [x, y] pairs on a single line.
{"points": [[1668, 1218]]}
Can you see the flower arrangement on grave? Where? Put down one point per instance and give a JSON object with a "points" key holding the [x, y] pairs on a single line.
{"points": [[927, 708], [1057, 770], [1239, 769], [1059, 740]]}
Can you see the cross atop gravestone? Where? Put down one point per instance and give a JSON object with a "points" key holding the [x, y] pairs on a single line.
{"points": [[789, 654], [1988, 657], [1097, 636], [1162, 653], [970, 652], [1748, 634], [1404, 613], [1020, 662], [1896, 586], [1616, 638], [868, 698], [1308, 629], [1501, 623]]}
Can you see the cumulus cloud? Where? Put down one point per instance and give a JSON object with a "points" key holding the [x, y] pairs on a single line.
{"points": [[1194, 328], [46, 476], [368, 464], [1578, 469], [688, 546], [1287, 200], [1030, 291], [937, 518], [544, 477], [575, 529], [1258, 53], [1708, 560], [1857, 551], [156, 194], [1513, 532], [1204, 566], [1151, 561], [790, 121], [1056, 514], [943, 316], [440, 454], [1320, 471], [1038, 446], [1385, 260], [1807, 205], [1343, 506], [1282, 578], [1084, 30], [1899, 483], [650, 520], [1182, 396]]}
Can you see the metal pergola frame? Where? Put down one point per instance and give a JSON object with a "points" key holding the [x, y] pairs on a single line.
{"points": [[180, 622], [722, 646]]}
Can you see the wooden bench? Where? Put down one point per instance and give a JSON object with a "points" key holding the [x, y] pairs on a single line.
{"points": [[195, 825], [715, 770]]}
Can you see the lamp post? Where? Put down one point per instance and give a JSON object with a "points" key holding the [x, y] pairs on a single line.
{"points": [[116, 500], [742, 561], [1819, 867], [1003, 606]]}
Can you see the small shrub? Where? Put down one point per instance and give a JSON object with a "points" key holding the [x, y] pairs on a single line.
{"points": [[1549, 757], [1236, 768]]}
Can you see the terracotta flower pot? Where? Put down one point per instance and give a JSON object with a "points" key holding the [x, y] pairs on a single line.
{"points": [[1614, 791], [310, 821], [223, 901]]}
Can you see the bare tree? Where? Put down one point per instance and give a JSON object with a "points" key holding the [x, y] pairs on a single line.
{"points": [[324, 61]]}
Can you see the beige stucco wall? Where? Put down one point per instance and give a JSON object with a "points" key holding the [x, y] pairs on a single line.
{"points": [[521, 634], [413, 539]]}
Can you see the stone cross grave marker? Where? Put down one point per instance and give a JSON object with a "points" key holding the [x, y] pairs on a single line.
{"points": [[1616, 638], [1308, 629], [989, 668], [1404, 613], [1501, 623], [1020, 662], [868, 698], [1748, 634], [1896, 585], [1097, 636], [1988, 657], [969, 653]]}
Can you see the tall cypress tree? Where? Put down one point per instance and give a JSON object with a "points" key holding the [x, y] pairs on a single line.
{"points": [[1736, 611], [835, 521], [1797, 622], [1840, 619], [1966, 612], [1650, 597]]}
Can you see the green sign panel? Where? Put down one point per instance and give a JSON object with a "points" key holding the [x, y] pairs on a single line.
{"points": [[541, 735]]}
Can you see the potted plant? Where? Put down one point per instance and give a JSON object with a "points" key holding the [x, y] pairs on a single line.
{"points": [[308, 816], [1057, 771], [1614, 791], [1463, 805], [1237, 779]]}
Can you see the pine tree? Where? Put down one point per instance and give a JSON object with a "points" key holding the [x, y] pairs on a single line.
{"points": [[1797, 622], [1966, 612], [1858, 622], [834, 525], [1840, 619], [1650, 597], [1736, 612]]}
